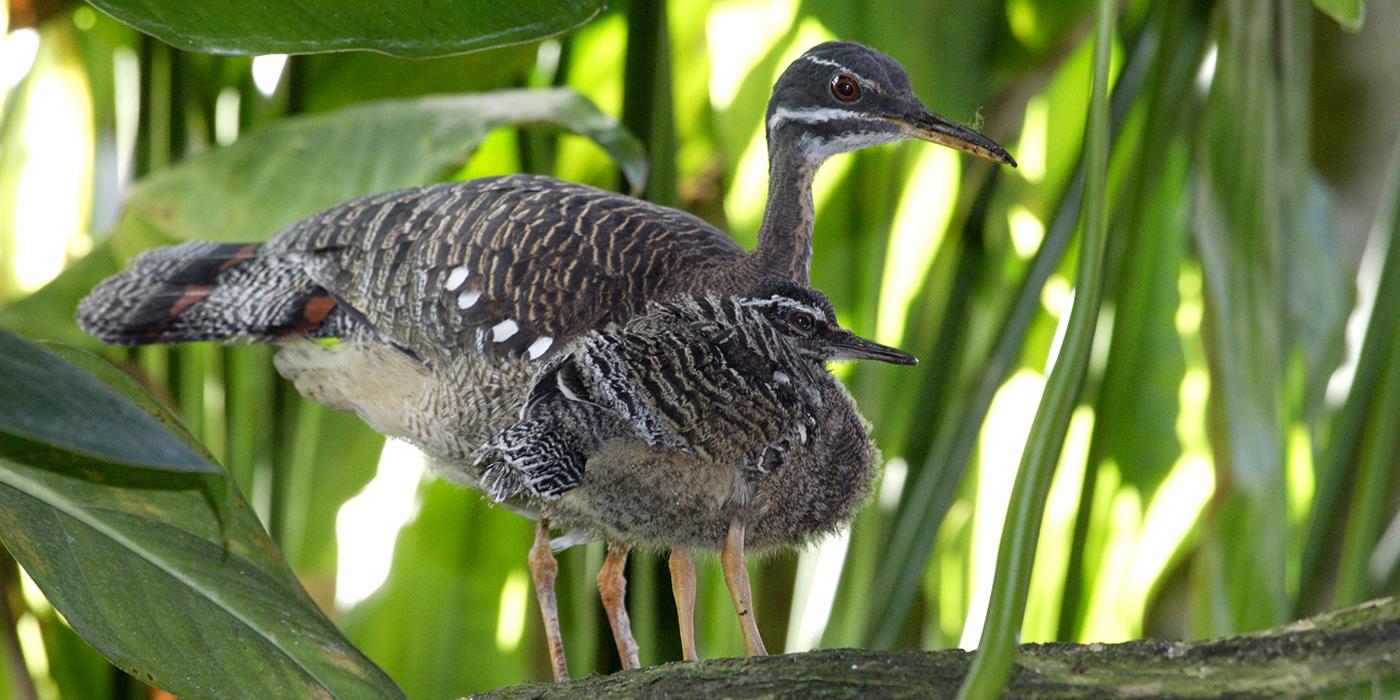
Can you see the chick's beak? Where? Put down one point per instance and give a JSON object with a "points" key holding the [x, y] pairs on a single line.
{"points": [[849, 346], [919, 123]]}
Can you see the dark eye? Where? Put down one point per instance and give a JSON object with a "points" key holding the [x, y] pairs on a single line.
{"points": [[801, 320], [845, 88]]}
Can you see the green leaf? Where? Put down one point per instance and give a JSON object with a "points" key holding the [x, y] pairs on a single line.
{"points": [[50, 401], [1351, 14], [270, 178], [420, 29], [168, 574]]}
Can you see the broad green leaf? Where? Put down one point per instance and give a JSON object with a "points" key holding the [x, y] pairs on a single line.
{"points": [[1351, 14], [270, 178], [168, 574], [47, 400], [139, 566], [420, 29]]}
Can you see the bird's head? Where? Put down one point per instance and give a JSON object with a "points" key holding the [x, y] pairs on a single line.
{"points": [[842, 96], [806, 316]]}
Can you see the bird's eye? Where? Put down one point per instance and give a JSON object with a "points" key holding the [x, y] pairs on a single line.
{"points": [[802, 321], [845, 88]]}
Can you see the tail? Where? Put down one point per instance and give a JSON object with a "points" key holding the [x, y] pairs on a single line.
{"points": [[530, 456], [207, 291]]}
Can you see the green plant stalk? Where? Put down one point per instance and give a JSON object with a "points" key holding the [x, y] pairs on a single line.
{"points": [[580, 606], [647, 590], [992, 666], [647, 109], [1343, 441], [297, 478], [934, 486], [248, 393], [190, 367], [1371, 495]]}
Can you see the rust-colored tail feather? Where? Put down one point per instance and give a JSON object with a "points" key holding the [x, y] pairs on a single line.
{"points": [[207, 291]]}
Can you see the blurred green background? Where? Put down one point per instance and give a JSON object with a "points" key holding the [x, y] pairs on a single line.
{"points": [[1230, 464]]}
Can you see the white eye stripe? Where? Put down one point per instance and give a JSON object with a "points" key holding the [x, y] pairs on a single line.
{"points": [[809, 115], [833, 64], [825, 62], [785, 303]]}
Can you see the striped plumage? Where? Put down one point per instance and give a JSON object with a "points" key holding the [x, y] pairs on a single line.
{"points": [[685, 415], [472, 279], [446, 298]]}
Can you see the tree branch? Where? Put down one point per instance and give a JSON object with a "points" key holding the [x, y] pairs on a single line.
{"points": [[1354, 649]]}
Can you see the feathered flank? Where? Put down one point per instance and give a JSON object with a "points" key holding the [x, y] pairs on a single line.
{"points": [[695, 413]]}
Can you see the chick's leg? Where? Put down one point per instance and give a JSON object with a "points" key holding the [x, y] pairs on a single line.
{"points": [[612, 586], [683, 585], [544, 569], [736, 576]]}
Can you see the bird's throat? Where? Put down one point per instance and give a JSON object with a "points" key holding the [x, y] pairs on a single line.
{"points": [[785, 236]]}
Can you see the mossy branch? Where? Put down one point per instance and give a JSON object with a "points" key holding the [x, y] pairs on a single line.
{"points": [[1348, 652]]}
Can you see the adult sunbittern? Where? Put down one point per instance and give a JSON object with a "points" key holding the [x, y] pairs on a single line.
{"points": [[446, 297]]}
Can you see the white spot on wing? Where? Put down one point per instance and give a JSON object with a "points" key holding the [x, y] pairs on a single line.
{"points": [[540, 346], [502, 331], [456, 278], [465, 300]]}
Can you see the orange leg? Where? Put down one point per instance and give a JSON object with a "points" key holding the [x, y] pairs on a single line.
{"points": [[736, 576], [683, 585], [612, 585], [544, 569]]}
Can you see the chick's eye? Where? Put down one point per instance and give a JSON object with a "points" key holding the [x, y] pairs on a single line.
{"points": [[845, 88], [801, 320]]}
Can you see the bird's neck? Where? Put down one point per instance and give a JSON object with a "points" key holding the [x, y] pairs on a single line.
{"points": [[785, 236]]}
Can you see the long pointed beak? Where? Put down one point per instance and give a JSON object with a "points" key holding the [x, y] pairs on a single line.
{"points": [[849, 346], [927, 126]]}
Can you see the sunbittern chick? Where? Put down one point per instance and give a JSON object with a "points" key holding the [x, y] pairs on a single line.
{"points": [[707, 422]]}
